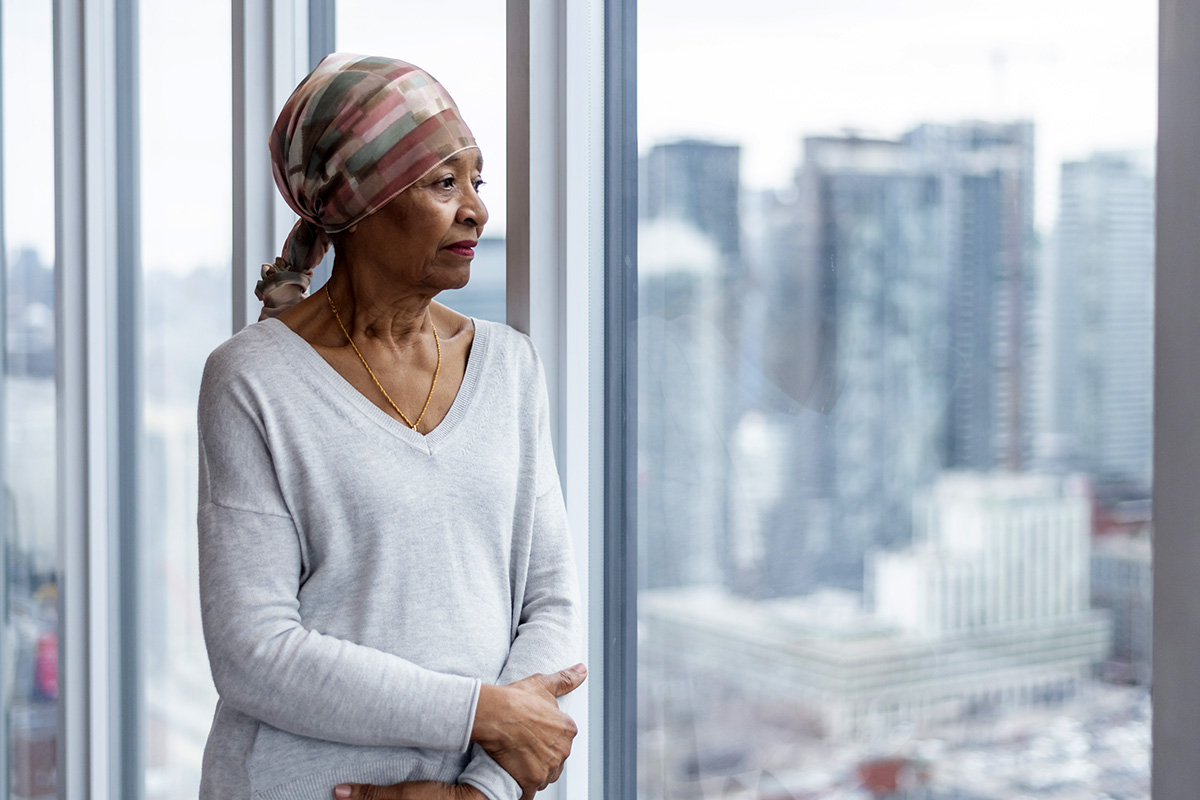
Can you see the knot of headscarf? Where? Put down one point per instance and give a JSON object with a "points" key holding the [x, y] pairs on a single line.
{"points": [[355, 133]]}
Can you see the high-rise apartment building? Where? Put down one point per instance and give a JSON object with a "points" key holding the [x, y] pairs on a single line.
{"points": [[689, 263], [898, 306], [985, 177], [682, 431], [1101, 303], [697, 182], [872, 305]]}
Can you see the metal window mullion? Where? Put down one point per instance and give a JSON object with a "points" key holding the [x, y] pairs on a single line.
{"points": [[322, 40], [620, 399], [100, 348], [251, 25], [71, 380], [580, 172], [322, 30], [554, 236], [129, 720], [1176, 626], [517, 97], [289, 52], [85, 319], [270, 56], [5, 505]]}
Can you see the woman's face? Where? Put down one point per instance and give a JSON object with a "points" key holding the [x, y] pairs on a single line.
{"points": [[428, 233]]}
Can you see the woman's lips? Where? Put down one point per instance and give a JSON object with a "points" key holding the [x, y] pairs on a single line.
{"points": [[465, 249]]}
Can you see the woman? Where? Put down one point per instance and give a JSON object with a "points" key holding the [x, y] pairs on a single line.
{"points": [[385, 567]]}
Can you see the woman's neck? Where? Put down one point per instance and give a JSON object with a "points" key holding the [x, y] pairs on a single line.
{"points": [[374, 308]]}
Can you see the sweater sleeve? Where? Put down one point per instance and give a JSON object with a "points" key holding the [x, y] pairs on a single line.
{"points": [[264, 662], [549, 636]]}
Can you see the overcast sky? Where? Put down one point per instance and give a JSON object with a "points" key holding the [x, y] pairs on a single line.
{"points": [[1084, 72]]}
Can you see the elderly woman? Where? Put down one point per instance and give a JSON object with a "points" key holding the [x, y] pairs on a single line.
{"points": [[388, 590]]}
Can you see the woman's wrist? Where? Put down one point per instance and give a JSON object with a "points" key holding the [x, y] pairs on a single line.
{"points": [[484, 729]]}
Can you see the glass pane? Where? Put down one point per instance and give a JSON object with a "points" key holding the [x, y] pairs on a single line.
{"points": [[28, 502], [471, 65], [894, 378], [186, 241]]}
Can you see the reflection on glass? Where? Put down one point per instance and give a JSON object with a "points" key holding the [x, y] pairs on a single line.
{"points": [[29, 554], [186, 243], [475, 79], [894, 402]]}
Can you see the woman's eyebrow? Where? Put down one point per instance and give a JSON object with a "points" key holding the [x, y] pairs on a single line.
{"points": [[458, 157]]}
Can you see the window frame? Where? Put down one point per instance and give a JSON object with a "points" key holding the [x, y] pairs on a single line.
{"points": [[554, 293], [97, 376], [1175, 771], [618, 619]]}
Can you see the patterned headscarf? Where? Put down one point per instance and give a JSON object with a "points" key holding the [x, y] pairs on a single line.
{"points": [[355, 133]]}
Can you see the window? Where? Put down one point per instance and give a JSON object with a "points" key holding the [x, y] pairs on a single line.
{"points": [[895, 336], [29, 557], [927, 249], [185, 313]]}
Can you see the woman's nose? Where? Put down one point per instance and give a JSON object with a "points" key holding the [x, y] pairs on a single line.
{"points": [[474, 211]]}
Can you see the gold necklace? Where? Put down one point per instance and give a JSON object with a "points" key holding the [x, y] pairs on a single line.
{"points": [[370, 372]]}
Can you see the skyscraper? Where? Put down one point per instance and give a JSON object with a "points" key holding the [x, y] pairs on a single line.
{"points": [[697, 182], [899, 305], [1102, 305], [862, 299], [985, 177], [689, 255]]}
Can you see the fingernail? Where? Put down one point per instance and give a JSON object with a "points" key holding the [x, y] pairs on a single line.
{"points": [[342, 792], [580, 668]]}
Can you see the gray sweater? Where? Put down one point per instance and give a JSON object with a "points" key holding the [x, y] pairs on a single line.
{"points": [[359, 580]]}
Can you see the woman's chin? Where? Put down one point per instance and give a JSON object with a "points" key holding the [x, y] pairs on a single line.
{"points": [[451, 279]]}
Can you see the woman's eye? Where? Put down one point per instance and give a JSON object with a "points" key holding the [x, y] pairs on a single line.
{"points": [[446, 183], [479, 184]]}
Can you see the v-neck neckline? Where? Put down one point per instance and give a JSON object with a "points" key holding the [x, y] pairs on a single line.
{"points": [[426, 442]]}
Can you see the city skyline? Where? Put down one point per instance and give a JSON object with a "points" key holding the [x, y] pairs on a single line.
{"points": [[850, 540]]}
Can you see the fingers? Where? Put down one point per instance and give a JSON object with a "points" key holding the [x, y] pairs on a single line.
{"points": [[526, 733], [362, 791], [565, 681]]}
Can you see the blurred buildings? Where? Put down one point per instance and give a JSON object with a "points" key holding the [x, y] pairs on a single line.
{"points": [[1122, 582], [28, 556], [869, 329], [1100, 336], [689, 309], [841, 537], [698, 182], [29, 315], [984, 174], [897, 296], [988, 609]]}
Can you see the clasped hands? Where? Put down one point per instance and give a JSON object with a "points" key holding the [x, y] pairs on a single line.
{"points": [[519, 725]]}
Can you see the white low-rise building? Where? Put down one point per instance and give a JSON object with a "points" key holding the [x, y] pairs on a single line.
{"points": [[988, 608]]}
